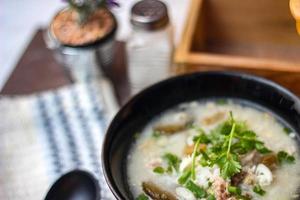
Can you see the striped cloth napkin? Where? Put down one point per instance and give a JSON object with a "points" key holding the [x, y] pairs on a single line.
{"points": [[45, 135]]}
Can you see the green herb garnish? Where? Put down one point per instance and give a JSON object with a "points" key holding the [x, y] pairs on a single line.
{"points": [[173, 162], [225, 128], [184, 177], [142, 197], [287, 130], [159, 170], [198, 192], [224, 145], [227, 141], [203, 138], [221, 102], [205, 160], [229, 165], [230, 139], [190, 125], [193, 173], [234, 190], [261, 148], [257, 189], [156, 134], [284, 157], [228, 162], [211, 197]]}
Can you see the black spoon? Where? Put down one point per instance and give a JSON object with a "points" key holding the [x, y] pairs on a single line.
{"points": [[75, 185]]}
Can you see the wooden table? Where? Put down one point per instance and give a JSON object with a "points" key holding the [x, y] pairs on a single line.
{"points": [[37, 70]]}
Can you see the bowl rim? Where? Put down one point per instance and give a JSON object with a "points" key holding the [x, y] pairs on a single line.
{"points": [[106, 145]]}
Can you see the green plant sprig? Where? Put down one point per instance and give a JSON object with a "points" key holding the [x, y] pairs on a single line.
{"points": [[86, 8], [194, 155], [224, 145]]}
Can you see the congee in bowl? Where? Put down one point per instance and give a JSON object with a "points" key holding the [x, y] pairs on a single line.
{"points": [[214, 149], [205, 136]]}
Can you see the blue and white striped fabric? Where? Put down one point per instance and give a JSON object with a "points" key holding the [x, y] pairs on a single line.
{"points": [[45, 135]]}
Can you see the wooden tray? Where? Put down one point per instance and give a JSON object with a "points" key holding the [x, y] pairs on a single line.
{"points": [[258, 37]]}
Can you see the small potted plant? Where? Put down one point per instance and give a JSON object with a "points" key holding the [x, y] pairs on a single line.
{"points": [[83, 33]]}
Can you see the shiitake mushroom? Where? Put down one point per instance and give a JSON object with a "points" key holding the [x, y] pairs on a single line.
{"points": [[155, 192]]}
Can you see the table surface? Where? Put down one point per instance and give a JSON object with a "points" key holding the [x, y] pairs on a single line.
{"points": [[37, 71]]}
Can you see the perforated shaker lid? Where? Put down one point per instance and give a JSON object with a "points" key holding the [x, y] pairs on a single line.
{"points": [[149, 15]]}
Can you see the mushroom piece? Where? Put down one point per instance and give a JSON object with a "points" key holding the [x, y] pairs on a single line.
{"points": [[172, 124], [238, 178], [170, 128], [156, 193], [270, 160], [213, 118]]}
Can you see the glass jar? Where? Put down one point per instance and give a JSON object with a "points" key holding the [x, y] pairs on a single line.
{"points": [[150, 46], [84, 62]]}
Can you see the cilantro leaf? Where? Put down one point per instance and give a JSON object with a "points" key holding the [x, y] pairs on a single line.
{"points": [[173, 162], [230, 139], [228, 162], [248, 134], [211, 197], [199, 192], [234, 190], [284, 157], [142, 197], [221, 101], [193, 173], [247, 141], [159, 170], [229, 165], [216, 148], [257, 189], [205, 160], [287, 130], [261, 148], [184, 177], [203, 138], [156, 134], [225, 128], [243, 146]]}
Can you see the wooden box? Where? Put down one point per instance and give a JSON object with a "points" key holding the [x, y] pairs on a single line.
{"points": [[258, 37]]}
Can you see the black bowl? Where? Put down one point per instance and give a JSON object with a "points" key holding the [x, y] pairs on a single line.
{"points": [[166, 94]]}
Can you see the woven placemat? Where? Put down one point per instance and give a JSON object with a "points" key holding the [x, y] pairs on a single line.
{"points": [[45, 135]]}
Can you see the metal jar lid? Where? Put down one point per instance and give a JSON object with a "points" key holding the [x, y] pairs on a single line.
{"points": [[149, 15]]}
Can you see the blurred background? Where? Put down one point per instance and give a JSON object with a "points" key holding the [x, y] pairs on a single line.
{"points": [[20, 20], [56, 100], [60, 87]]}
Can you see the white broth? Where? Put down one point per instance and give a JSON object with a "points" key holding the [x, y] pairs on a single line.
{"points": [[254, 139]]}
